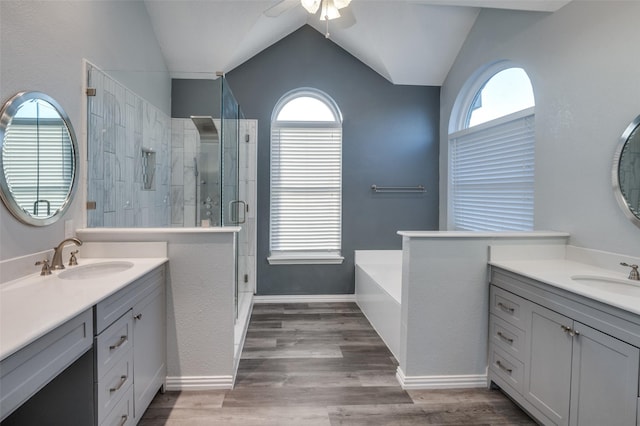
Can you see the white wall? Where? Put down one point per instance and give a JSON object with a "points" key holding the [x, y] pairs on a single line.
{"points": [[200, 307], [42, 45], [584, 66]]}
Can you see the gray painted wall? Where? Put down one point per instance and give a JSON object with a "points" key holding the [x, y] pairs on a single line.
{"points": [[115, 36], [585, 77], [195, 97], [390, 137]]}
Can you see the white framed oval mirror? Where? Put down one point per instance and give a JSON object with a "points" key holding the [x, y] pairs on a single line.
{"points": [[626, 172], [39, 158]]}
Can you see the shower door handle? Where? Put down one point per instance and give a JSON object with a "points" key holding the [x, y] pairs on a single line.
{"points": [[237, 204]]}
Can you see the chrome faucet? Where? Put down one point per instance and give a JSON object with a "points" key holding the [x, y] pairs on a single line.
{"points": [[56, 262], [634, 274]]}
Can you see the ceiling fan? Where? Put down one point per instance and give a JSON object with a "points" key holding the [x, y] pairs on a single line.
{"points": [[328, 10]]}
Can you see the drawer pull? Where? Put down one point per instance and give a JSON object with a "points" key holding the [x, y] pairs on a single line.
{"points": [[505, 338], [138, 317], [123, 420], [120, 343], [502, 367], [506, 308], [123, 380]]}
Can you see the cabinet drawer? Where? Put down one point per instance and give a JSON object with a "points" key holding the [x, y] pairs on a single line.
{"points": [[114, 385], [506, 367], [507, 337], [508, 306], [122, 413], [113, 343]]}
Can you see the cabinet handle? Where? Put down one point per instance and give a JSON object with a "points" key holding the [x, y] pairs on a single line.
{"points": [[506, 308], [570, 331], [123, 380], [502, 367], [503, 337], [138, 317], [120, 343], [123, 420]]}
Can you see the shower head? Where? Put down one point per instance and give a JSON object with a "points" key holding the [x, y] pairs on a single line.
{"points": [[206, 127]]}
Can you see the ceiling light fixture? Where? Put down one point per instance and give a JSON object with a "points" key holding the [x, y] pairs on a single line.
{"points": [[330, 9]]}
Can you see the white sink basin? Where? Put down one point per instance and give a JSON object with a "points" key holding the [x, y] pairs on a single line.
{"points": [[94, 270], [610, 284]]}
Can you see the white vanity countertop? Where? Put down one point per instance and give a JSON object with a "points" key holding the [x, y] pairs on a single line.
{"points": [[32, 306], [557, 272]]}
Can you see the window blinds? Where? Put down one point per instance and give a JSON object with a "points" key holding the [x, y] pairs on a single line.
{"points": [[492, 175], [306, 188], [38, 159]]}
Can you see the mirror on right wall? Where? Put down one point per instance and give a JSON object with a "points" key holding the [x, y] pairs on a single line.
{"points": [[626, 172]]}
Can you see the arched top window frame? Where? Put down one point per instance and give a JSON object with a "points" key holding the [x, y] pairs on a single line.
{"points": [[462, 106], [311, 93], [308, 233], [483, 177]]}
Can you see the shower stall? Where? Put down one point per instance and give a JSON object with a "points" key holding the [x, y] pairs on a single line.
{"points": [[147, 169]]}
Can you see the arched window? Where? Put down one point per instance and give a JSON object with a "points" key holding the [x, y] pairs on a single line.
{"points": [[491, 152], [306, 179]]}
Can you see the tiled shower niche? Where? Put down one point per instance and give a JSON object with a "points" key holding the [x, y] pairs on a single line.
{"points": [[124, 132]]}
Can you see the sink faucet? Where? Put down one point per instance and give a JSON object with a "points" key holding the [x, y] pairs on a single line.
{"points": [[56, 262], [634, 274]]}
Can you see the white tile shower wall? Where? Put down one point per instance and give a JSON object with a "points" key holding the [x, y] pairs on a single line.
{"points": [[120, 124], [185, 146]]}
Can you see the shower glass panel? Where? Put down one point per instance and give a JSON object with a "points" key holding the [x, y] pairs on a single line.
{"points": [[234, 210], [206, 170], [144, 172]]}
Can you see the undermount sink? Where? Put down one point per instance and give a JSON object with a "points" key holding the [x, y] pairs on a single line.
{"points": [[610, 284], [95, 270]]}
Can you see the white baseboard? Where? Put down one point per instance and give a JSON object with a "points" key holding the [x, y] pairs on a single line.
{"points": [[197, 383], [312, 298], [441, 382]]}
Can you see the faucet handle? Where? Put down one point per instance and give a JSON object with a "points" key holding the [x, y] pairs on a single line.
{"points": [[73, 260], [46, 269], [634, 274]]}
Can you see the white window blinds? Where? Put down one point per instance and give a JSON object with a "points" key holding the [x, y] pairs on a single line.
{"points": [[492, 174], [306, 187], [39, 161]]}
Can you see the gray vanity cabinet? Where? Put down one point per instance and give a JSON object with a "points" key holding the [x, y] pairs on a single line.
{"points": [[604, 379], [149, 333], [577, 368], [130, 332], [548, 374]]}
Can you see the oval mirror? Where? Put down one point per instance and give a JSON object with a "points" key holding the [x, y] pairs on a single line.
{"points": [[39, 158], [626, 172]]}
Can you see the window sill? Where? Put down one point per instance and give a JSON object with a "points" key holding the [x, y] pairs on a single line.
{"points": [[305, 259]]}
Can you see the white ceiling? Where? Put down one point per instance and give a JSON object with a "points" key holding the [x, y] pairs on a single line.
{"points": [[406, 41]]}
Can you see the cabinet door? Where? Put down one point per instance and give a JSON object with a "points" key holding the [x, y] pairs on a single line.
{"points": [[149, 353], [604, 388], [548, 371]]}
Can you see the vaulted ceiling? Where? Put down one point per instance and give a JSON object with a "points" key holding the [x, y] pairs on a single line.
{"points": [[411, 42]]}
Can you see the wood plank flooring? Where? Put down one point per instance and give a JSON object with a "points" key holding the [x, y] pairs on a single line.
{"points": [[323, 364]]}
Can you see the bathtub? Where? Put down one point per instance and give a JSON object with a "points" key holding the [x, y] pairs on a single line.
{"points": [[379, 292]]}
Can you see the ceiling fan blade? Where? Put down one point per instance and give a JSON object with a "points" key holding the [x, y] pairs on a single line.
{"points": [[280, 7], [346, 20]]}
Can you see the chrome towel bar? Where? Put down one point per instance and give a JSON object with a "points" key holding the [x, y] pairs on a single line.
{"points": [[419, 188]]}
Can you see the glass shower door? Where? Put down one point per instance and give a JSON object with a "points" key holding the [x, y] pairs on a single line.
{"points": [[233, 206]]}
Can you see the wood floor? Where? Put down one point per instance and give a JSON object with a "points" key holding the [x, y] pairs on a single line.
{"points": [[323, 364]]}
